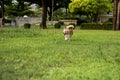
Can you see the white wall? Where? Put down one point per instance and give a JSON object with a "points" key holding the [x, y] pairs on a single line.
{"points": [[20, 21]]}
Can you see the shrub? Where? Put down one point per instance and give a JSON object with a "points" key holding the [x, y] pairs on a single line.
{"points": [[107, 26], [27, 25], [104, 26], [7, 20], [57, 25], [61, 22], [110, 20], [90, 26], [80, 21]]}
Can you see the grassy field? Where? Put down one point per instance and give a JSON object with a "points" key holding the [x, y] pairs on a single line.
{"points": [[36, 54]]}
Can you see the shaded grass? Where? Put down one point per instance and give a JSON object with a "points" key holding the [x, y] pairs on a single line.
{"points": [[37, 54]]}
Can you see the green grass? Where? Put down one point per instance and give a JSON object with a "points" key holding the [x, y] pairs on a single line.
{"points": [[36, 54]]}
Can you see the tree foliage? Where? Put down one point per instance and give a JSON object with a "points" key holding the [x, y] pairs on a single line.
{"points": [[90, 7], [48, 7], [18, 9]]}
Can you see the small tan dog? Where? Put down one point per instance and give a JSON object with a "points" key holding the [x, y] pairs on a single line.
{"points": [[68, 32]]}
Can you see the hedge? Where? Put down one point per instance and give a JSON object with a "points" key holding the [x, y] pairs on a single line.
{"points": [[103, 26], [27, 25], [57, 25]]}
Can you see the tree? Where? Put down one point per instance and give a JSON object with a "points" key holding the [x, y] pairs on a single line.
{"points": [[19, 8], [116, 15], [44, 14], [48, 8], [53, 5], [2, 11], [90, 8]]}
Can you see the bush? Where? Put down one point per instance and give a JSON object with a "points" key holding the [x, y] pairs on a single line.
{"points": [[110, 20], [57, 25], [27, 25], [80, 21], [7, 20], [90, 26], [104, 26], [61, 22], [107, 26]]}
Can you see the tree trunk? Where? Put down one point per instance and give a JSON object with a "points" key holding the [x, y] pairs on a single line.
{"points": [[44, 14], [118, 16], [50, 13], [96, 17], [3, 22], [51, 10], [2, 11], [115, 15], [66, 11]]}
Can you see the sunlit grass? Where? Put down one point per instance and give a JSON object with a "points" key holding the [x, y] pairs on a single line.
{"points": [[36, 54]]}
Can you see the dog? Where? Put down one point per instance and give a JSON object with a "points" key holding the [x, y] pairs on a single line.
{"points": [[68, 32]]}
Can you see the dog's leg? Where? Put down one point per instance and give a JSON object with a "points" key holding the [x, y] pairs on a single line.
{"points": [[67, 37]]}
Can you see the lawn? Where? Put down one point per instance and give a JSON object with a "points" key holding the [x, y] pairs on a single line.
{"points": [[36, 54]]}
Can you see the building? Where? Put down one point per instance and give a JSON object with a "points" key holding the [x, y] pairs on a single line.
{"points": [[105, 17]]}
